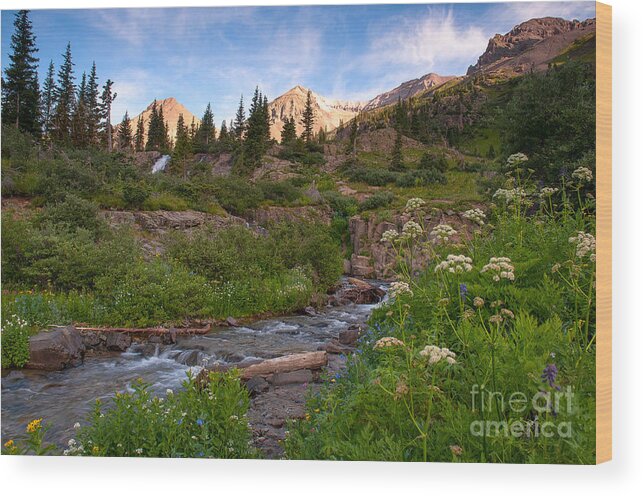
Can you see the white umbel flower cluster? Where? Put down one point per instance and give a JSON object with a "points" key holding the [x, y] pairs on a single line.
{"points": [[582, 175], [411, 230], [436, 354], [455, 264], [546, 192], [509, 195], [585, 245], [475, 215], [399, 289], [415, 204], [387, 342], [500, 268], [516, 159], [390, 236], [442, 232]]}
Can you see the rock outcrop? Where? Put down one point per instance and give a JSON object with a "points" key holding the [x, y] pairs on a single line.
{"points": [[161, 221], [267, 215], [407, 90], [530, 45], [56, 350]]}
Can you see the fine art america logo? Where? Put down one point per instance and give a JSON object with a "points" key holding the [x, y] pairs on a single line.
{"points": [[535, 416]]}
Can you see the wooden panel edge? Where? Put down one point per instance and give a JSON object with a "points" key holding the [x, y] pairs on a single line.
{"points": [[603, 232]]}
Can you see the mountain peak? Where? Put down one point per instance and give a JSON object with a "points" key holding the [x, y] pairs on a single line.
{"points": [[407, 90], [171, 110]]}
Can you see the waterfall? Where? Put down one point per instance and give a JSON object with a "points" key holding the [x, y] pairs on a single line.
{"points": [[160, 164]]}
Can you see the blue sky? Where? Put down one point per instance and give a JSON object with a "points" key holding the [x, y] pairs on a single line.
{"points": [[201, 55]]}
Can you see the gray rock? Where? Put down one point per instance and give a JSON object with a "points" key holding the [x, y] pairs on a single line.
{"points": [[309, 311], [349, 336], [231, 321], [118, 341], [56, 350], [295, 377], [257, 385]]}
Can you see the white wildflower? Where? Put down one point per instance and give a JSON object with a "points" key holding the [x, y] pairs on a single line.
{"points": [[585, 245], [411, 230], [516, 159], [400, 288], [139, 451], [442, 233], [546, 192], [582, 175], [387, 342], [510, 195], [500, 268], [77, 425], [475, 215], [455, 264], [414, 204], [390, 236], [436, 354]]}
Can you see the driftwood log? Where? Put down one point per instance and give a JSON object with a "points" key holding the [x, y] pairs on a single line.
{"points": [[146, 330], [313, 360]]}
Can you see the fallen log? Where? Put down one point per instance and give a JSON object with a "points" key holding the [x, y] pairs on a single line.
{"points": [[312, 361], [145, 330]]}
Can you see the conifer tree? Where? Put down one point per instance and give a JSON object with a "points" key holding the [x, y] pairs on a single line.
{"points": [[139, 140], [266, 118], [79, 118], [125, 133], [93, 107], [397, 158], [107, 98], [256, 140], [223, 132], [352, 139], [153, 130], [47, 99], [65, 97], [20, 89], [289, 132], [182, 148], [239, 125], [308, 120], [164, 132], [206, 134]]}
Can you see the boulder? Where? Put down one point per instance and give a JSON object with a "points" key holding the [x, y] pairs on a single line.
{"points": [[257, 385], [56, 350], [232, 322], [118, 341], [349, 336], [359, 292]]}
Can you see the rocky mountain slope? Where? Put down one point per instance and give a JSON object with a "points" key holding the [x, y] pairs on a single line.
{"points": [[171, 110], [328, 113], [407, 89], [530, 45]]}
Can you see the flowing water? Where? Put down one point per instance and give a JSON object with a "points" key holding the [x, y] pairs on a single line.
{"points": [[160, 164], [65, 397]]}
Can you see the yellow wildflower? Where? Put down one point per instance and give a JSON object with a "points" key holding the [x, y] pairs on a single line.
{"points": [[9, 444], [34, 425]]}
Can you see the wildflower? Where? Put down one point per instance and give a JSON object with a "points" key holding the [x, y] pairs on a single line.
{"points": [[399, 289], [9, 444], [316, 410], [468, 314], [34, 425], [387, 342], [139, 451], [455, 264], [582, 175], [401, 389], [516, 159], [496, 319], [95, 450], [547, 192], [506, 312], [442, 232], [411, 230], [510, 195], [77, 425], [307, 416], [199, 422], [443, 302], [435, 354], [475, 215], [390, 236], [555, 268], [456, 450], [414, 204], [478, 302], [585, 244], [500, 268], [549, 375], [463, 291]]}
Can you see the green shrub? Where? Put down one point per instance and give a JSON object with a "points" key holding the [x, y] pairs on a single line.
{"points": [[165, 201], [281, 193], [371, 176], [344, 206], [377, 200], [204, 419], [135, 195], [236, 195], [15, 341], [71, 214]]}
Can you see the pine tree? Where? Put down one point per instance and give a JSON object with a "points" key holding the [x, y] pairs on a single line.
{"points": [[182, 148], [65, 97], [223, 132], [163, 132], [20, 89], [107, 98], [47, 99], [139, 140], [93, 107], [397, 158], [206, 134], [125, 133], [289, 132], [79, 118], [266, 118], [239, 125], [257, 133], [308, 120], [153, 130], [352, 139]]}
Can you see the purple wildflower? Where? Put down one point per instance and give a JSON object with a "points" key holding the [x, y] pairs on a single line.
{"points": [[199, 422], [463, 291], [549, 375]]}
